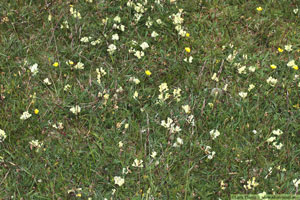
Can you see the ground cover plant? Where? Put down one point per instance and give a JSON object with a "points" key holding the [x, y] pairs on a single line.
{"points": [[149, 99]]}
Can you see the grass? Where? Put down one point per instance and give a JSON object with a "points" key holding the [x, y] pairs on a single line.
{"points": [[80, 154]]}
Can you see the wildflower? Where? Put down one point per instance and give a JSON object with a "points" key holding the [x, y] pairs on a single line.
{"points": [[278, 146], [75, 109], [154, 34], [49, 18], [135, 80], [139, 54], [178, 142], [242, 70], [295, 11], [144, 45], [211, 155], [119, 181], [36, 111], [120, 144], [117, 19], [69, 62], [280, 50], [296, 182], [135, 95], [2, 135], [36, 144], [25, 115], [79, 65], [251, 86], [78, 195], [158, 21], [111, 48], [153, 154], [138, 163], [272, 81], [34, 69], [163, 87], [106, 96], [259, 9], [211, 105], [46, 81], [190, 59], [291, 63], [252, 69], [55, 64], [85, 39], [187, 49], [277, 132], [215, 78], [273, 66], [295, 67], [148, 73], [187, 35], [214, 133], [271, 139], [186, 109], [288, 48], [67, 87], [243, 94], [115, 37]]}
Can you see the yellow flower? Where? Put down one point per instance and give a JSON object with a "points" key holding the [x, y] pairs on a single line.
{"points": [[273, 66], [187, 35], [55, 64], [36, 111], [295, 67], [280, 49], [148, 73], [259, 9], [78, 195], [188, 49]]}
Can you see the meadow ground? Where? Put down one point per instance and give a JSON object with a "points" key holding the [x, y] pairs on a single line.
{"points": [[157, 99]]}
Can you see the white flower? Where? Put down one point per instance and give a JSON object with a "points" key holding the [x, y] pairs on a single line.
{"points": [[277, 132], [85, 39], [79, 65], [211, 155], [117, 19], [75, 109], [2, 135], [179, 141], [252, 69], [291, 63], [251, 86], [36, 144], [144, 45], [215, 78], [135, 95], [242, 70], [111, 48], [47, 82], [214, 133], [254, 132], [296, 182], [34, 69], [190, 59], [154, 34], [243, 94], [272, 81], [261, 195], [295, 11], [153, 154], [67, 87], [120, 144], [139, 54], [119, 181], [158, 21], [278, 146], [288, 48], [115, 37], [271, 139], [138, 163], [186, 109], [163, 87], [135, 80], [25, 115]]}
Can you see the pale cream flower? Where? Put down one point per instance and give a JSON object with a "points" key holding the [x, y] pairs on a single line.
{"points": [[138, 163], [214, 133], [119, 181], [243, 94], [186, 109], [2, 135], [75, 109], [25, 115]]}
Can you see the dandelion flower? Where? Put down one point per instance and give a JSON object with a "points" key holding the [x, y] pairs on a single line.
{"points": [[259, 9], [148, 73], [273, 66], [55, 64], [36, 111], [280, 50], [187, 49], [187, 35], [295, 67]]}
